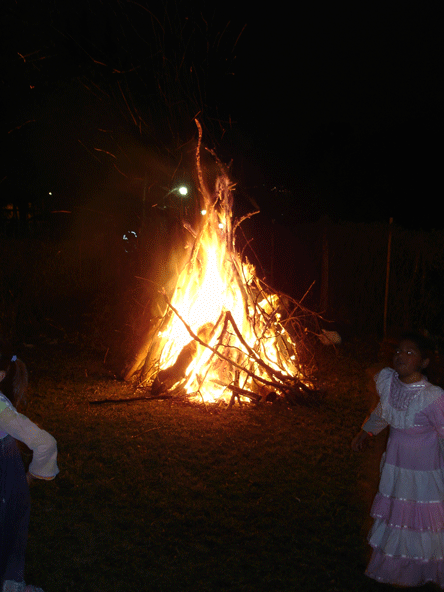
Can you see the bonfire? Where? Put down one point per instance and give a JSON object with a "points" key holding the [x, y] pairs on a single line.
{"points": [[225, 335]]}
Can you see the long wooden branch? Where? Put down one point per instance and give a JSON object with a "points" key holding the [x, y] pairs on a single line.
{"points": [[270, 371], [128, 400]]}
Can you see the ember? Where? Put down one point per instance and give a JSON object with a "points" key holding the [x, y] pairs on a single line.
{"points": [[224, 335]]}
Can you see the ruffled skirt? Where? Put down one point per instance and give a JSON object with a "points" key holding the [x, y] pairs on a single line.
{"points": [[407, 536]]}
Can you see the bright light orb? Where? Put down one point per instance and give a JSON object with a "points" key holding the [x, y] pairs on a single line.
{"points": [[183, 190]]}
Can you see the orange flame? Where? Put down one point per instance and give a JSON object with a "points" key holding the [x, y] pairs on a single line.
{"points": [[218, 303]]}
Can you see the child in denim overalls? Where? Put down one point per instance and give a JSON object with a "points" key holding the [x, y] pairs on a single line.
{"points": [[14, 482]]}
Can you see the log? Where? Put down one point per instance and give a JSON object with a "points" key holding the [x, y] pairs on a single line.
{"points": [[167, 378]]}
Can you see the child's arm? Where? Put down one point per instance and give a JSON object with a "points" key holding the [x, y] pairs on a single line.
{"points": [[42, 444], [373, 425], [359, 440]]}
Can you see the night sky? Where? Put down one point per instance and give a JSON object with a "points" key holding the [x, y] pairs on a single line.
{"points": [[340, 104], [355, 97]]}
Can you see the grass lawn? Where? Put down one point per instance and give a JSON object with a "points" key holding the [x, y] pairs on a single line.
{"points": [[163, 495]]}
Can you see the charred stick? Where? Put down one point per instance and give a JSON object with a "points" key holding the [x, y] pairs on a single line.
{"points": [[246, 217], [270, 371], [240, 284], [240, 391], [198, 165], [234, 390]]}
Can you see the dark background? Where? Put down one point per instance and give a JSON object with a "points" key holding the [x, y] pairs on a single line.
{"points": [[329, 117], [339, 105]]}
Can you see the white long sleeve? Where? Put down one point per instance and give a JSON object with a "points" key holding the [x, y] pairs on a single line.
{"points": [[375, 423], [42, 444]]}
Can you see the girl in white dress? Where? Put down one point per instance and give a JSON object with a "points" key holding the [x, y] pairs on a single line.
{"points": [[407, 536]]}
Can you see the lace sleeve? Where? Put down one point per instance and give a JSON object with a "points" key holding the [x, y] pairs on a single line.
{"points": [[375, 423]]}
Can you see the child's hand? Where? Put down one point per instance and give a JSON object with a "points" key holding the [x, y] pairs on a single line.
{"points": [[359, 441]]}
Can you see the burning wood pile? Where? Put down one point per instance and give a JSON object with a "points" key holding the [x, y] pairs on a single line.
{"points": [[224, 335]]}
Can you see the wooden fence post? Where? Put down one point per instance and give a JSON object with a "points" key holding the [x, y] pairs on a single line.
{"points": [[387, 276], [324, 267]]}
